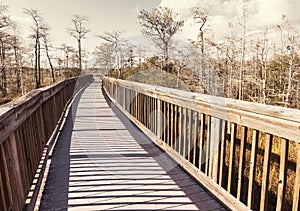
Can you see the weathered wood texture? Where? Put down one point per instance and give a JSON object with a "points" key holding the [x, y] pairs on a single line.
{"points": [[226, 144], [25, 127]]}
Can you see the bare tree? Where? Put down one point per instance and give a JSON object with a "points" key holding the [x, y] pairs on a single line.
{"points": [[116, 39], [264, 63], [79, 32], [200, 16], [181, 57], [46, 41], [242, 68], [160, 25], [67, 51], [4, 25], [104, 55], [16, 45], [37, 34]]}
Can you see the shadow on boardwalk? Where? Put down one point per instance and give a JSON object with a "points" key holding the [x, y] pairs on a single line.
{"points": [[103, 162]]}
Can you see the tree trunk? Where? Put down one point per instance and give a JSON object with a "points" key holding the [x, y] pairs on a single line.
{"points": [[39, 64], [18, 71], [4, 81], [3, 70], [289, 88], [79, 54], [50, 63]]}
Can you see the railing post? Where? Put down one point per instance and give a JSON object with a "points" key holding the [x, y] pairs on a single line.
{"points": [[159, 118], [296, 194], [215, 122]]}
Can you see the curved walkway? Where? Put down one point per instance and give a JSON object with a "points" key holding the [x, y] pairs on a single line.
{"points": [[103, 162]]}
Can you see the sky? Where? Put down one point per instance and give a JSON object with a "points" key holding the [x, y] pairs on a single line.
{"points": [[103, 15], [111, 15]]}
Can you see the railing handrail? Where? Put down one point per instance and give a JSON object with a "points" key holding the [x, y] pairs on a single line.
{"points": [[14, 113], [280, 121]]}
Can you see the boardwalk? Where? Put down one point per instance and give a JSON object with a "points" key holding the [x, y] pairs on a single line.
{"points": [[102, 162]]}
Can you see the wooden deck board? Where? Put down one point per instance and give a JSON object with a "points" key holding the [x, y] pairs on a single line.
{"points": [[103, 162]]}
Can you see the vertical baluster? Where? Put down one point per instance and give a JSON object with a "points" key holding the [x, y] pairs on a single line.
{"points": [[175, 128], [297, 182], [284, 147], [195, 134], [136, 105], [152, 114], [252, 167], [207, 144], [201, 138], [159, 118], [168, 124], [155, 116], [215, 149], [223, 150], [241, 162], [266, 170], [231, 158], [165, 122], [123, 103], [189, 134], [149, 112], [180, 130], [172, 126], [145, 109], [184, 131]]}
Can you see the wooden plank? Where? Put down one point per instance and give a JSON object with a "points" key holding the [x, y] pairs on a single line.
{"points": [[164, 134], [297, 182], [138, 104], [168, 123], [14, 173], [252, 167], [26, 180], [241, 162], [222, 151], [189, 134], [266, 171], [176, 127], [207, 149], [201, 138], [231, 156], [215, 150], [3, 202], [171, 125], [184, 128], [155, 116], [6, 185], [284, 146], [159, 119], [180, 120], [195, 135]]}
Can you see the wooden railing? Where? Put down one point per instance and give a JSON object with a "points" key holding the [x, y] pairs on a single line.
{"points": [[246, 154], [26, 126]]}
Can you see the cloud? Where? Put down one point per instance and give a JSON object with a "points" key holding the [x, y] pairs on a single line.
{"points": [[270, 12], [220, 12]]}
